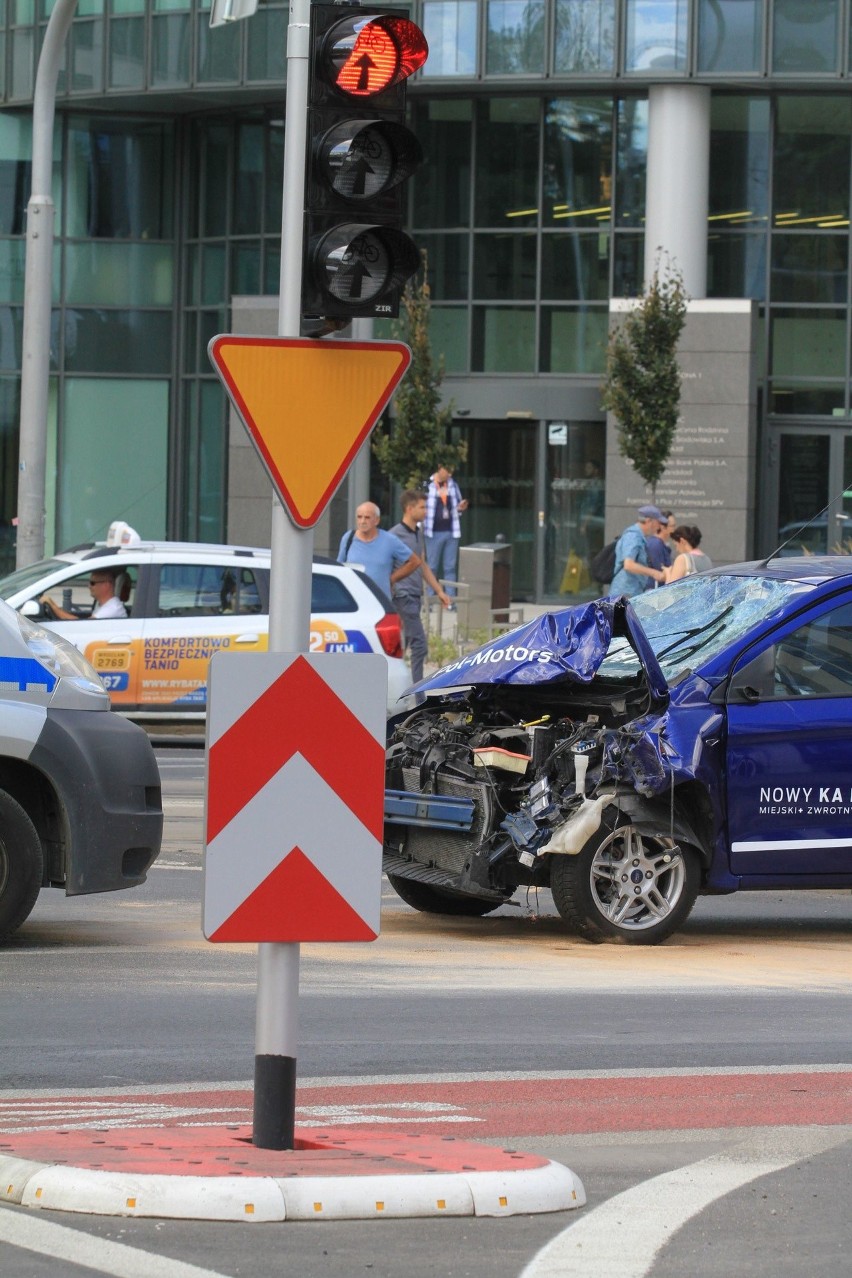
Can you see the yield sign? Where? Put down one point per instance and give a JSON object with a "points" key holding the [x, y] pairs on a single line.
{"points": [[308, 406], [295, 796]]}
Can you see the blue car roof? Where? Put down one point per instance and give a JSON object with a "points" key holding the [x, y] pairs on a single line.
{"points": [[807, 568]]}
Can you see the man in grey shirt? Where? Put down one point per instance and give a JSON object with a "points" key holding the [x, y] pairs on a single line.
{"points": [[408, 592]]}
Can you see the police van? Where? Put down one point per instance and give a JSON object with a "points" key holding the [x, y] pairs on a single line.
{"points": [[80, 800]]}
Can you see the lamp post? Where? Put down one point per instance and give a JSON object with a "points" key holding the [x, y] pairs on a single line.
{"points": [[38, 274]]}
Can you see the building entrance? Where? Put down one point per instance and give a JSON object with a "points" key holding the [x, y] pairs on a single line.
{"points": [[809, 469], [540, 486]]}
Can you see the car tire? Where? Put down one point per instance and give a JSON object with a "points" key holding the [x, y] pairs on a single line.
{"points": [[21, 865], [589, 888], [431, 900]]}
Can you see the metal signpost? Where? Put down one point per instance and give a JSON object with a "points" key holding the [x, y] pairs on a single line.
{"points": [[279, 387]]}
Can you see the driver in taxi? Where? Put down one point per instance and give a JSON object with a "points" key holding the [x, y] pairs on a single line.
{"points": [[107, 604]]}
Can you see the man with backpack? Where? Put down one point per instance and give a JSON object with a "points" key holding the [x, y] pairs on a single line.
{"points": [[383, 557], [633, 573]]}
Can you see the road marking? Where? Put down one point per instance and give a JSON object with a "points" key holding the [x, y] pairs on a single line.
{"points": [[102, 1254], [46, 1115], [623, 1237]]}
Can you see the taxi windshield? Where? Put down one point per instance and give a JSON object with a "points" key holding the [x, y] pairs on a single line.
{"points": [[25, 577], [692, 620]]}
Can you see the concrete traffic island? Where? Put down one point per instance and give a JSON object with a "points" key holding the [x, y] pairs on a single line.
{"points": [[215, 1173]]}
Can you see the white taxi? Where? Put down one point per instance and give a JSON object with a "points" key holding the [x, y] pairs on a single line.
{"points": [[185, 601]]}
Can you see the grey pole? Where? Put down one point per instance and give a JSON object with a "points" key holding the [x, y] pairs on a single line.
{"points": [[289, 630], [677, 193], [38, 275]]}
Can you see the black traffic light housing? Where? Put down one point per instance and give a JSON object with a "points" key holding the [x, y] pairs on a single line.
{"points": [[357, 258]]}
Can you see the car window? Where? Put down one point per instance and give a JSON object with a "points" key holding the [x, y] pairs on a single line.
{"points": [[329, 594], [207, 590], [23, 578], [814, 661], [74, 595]]}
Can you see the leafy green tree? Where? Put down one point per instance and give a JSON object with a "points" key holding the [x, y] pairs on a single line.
{"points": [[642, 383], [417, 439]]}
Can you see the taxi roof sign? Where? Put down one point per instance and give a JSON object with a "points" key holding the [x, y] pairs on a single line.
{"points": [[308, 406]]}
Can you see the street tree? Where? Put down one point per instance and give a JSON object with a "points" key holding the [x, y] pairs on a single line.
{"points": [[417, 439], [642, 383]]}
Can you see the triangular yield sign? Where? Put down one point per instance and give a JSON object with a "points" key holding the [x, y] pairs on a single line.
{"points": [[294, 903], [308, 406]]}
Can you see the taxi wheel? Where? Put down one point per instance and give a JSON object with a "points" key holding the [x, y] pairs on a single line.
{"points": [[20, 865], [626, 885], [431, 900]]}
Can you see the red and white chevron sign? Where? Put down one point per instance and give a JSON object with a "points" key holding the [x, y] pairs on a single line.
{"points": [[295, 795]]}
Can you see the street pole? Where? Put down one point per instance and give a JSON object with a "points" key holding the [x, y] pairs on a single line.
{"points": [[289, 629], [38, 276]]}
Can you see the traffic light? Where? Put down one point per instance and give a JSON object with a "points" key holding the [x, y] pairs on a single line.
{"points": [[357, 258]]}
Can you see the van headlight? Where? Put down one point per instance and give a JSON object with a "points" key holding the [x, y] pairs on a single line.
{"points": [[61, 658]]}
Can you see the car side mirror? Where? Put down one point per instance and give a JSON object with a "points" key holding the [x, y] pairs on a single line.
{"points": [[32, 608]]}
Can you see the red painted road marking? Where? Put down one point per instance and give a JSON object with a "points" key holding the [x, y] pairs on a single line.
{"points": [[483, 1108]]}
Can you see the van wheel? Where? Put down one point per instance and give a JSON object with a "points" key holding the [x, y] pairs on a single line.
{"points": [[626, 886], [21, 865], [431, 900]]}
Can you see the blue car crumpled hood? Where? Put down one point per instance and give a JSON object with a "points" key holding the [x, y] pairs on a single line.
{"points": [[569, 644]]}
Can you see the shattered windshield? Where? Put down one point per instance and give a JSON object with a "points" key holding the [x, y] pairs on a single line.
{"points": [[691, 620]]}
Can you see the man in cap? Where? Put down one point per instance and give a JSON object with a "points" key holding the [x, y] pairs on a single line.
{"points": [[633, 571]]}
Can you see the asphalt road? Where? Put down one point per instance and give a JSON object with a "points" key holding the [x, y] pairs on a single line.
{"points": [[122, 992]]}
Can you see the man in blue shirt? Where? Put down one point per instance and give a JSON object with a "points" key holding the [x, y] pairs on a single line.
{"points": [[383, 557], [633, 572]]}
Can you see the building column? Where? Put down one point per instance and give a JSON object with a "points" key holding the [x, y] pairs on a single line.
{"points": [[676, 197]]}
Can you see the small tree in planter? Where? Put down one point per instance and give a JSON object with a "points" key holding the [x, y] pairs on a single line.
{"points": [[642, 384], [417, 440]]}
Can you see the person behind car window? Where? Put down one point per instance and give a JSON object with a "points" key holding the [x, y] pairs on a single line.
{"points": [[633, 573], [102, 588], [383, 557], [689, 559]]}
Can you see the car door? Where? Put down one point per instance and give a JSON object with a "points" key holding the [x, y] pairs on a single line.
{"points": [[114, 645], [197, 607], [789, 750]]}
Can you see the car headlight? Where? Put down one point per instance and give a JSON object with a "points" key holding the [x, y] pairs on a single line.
{"points": [[60, 657]]}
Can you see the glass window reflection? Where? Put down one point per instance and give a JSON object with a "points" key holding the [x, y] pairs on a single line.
{"points": [[515, 38], [577, 162], [805, 37], [450, 29], [507, 163], [808, 343], [657, 35], [730, 35], [585, 35], [811, 162], [441, 188], [809, 268]]}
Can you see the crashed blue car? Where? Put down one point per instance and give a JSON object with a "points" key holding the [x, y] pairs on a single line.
{"points": [[630, 755]]}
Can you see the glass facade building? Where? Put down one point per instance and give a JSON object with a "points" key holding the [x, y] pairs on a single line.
{"points": [[534, 117]]}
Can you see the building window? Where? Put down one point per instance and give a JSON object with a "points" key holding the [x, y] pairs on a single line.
{"points": [[657, 35], [507, 163], [585, 35], [730, 35], [805, 36], [450, 29], [811, 162], [577, 163], [515, 37], [100, 438]]}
